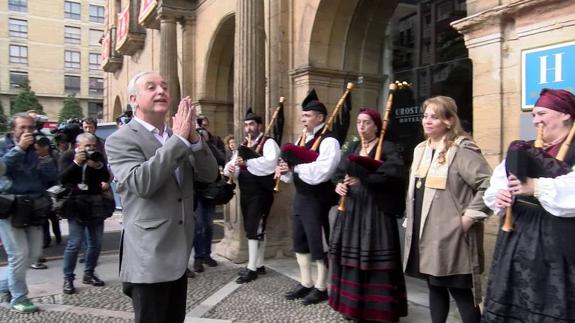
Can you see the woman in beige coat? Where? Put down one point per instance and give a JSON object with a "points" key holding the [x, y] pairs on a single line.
{"points": [[444, 230]]}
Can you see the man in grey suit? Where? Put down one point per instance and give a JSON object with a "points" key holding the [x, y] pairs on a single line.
{"points": [[156, 168]]}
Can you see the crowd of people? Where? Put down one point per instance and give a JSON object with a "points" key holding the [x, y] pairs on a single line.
{"points": [[443, 198]]}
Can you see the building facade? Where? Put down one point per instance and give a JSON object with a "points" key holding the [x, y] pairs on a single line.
{"points": [[56, 46], [229, 55]]}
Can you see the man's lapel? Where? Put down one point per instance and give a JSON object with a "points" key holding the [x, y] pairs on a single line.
{"points": [[150, 143]]}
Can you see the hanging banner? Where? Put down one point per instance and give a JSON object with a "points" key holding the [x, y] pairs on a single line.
{"points": [[123, 27], [147, 7], [105, 53]]}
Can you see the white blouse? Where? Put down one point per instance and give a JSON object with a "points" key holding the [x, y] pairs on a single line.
{"points": [[556, 195]]}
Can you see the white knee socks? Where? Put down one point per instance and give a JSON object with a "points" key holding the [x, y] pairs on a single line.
{"points": [[321, 282], [304, 262], [252, 254]]}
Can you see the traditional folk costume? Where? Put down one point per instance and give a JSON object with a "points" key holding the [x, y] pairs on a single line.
{"points": [[256, 183], [367, 280], [436, 247], [532, 278], [313, 199]]}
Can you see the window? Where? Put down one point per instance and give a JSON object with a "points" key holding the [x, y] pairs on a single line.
{"points": [[95, 37], [17, 78], [95, 61], [72, 10], [96, 14], [96, 86], [71, 84], [71, 59], [18, 54], [18, 28], [18, 5], [96, 110], [72, 35]]}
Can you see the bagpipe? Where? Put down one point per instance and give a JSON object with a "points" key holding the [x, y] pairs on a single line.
{"points": [[529, 160], [299, 154], [358, 165]]}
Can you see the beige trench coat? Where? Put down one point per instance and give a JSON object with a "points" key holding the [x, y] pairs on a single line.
{"points": [[444, 249]]}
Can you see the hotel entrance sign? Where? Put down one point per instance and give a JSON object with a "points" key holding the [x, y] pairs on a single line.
{"points": [[546, 67]]}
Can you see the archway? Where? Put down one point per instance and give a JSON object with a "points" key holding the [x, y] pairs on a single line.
{"points": [[217, 103], [347, 42]]}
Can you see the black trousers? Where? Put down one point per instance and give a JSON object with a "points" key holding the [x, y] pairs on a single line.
{"points": [[52, 219], [310, 222], [158, 302]]}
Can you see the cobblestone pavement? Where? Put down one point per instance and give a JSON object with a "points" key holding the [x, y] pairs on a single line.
{"points": [[262, 301], [213, 297]]}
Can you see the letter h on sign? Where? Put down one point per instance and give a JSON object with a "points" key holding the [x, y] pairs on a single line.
{"points": [[546, 67]]}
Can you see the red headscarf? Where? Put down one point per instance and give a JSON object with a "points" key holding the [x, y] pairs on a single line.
{"points": [[558, 100], [375, 117]]}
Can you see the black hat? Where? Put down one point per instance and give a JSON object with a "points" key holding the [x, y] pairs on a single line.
{"points": [[312, 103], [250, 115]]}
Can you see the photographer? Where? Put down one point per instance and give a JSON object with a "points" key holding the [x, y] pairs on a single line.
{"points": [[26, 180], [85, 208]]}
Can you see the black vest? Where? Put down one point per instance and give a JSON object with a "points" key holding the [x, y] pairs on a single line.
{"points": [[250, 183], [324, 192]]}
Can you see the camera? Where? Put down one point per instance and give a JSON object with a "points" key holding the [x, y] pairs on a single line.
{"points": [[68, 131], [94, 155]]}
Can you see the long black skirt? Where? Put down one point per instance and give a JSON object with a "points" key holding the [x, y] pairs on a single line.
{"points": [[532, 279], [367, 280]]}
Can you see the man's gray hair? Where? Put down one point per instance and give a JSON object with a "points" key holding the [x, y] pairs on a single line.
{"points": [[133, 84], [85, 136]]}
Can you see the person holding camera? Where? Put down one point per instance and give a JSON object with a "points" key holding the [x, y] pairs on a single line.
{"points": [[85, 207], [25, 181], [205, 209]]}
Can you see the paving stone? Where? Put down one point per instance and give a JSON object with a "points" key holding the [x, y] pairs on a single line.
{"points": [[109, 297], [262, 301], [207, 283], [7, 315]]}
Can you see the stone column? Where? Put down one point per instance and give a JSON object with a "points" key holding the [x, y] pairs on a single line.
{"points": [[279, 221], [169, 59], [189, 57], [249, 91], [249, 58]]}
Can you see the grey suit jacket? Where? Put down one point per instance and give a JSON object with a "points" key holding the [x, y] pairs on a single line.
{"points": [[158, 210]]}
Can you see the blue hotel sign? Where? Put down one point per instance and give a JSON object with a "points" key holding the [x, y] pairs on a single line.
{"points": [[547, 67]]}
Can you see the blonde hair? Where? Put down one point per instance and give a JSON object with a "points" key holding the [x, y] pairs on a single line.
{"points": [[446, 111]]}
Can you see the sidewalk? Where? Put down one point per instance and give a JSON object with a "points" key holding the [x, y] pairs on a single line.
{"points": [[213, 296]]}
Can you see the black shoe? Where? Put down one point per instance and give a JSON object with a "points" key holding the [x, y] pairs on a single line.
{"points": [[82, 260], [198, 267], [314, 297], [69, 287], [92, 280], [299, 291], [190, 274], [247, 276], [261, 270], [209, 261]]}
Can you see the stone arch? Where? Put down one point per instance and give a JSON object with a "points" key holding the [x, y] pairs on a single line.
{"points": [[347, 40], [217, 103]]}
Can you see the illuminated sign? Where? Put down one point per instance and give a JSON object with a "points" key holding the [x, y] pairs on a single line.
{"points": [[546, 67]]}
